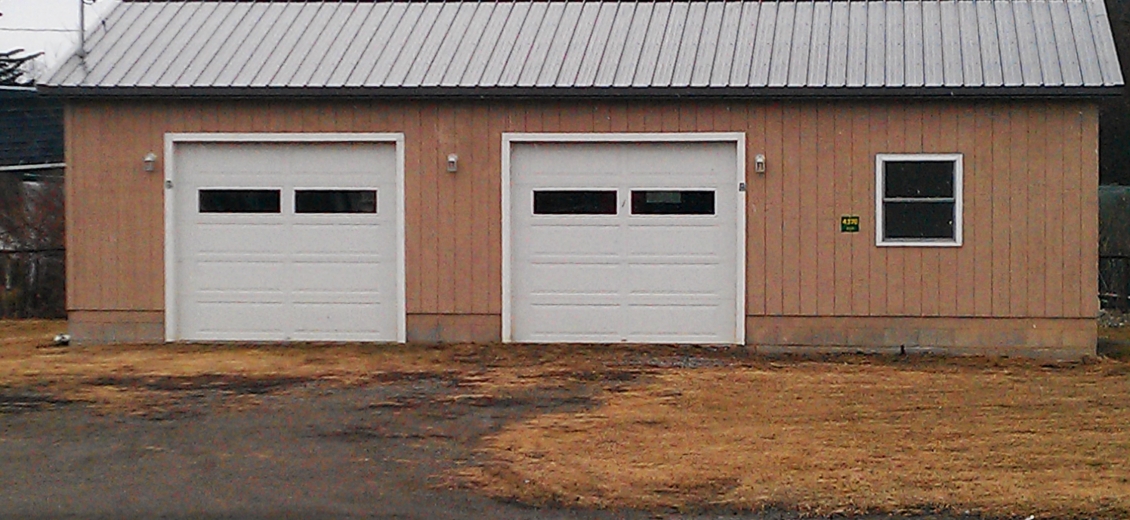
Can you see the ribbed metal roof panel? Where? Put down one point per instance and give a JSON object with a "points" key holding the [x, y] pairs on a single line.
{"points": [[988, 44], [598, 44], [203, 65], [763, 44], [896, 55], [617, 43], [953, 74], [876, 54], [1104, 40], [1088, 57]]}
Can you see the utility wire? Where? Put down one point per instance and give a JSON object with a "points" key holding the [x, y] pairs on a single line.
{"points": [[35, 29]]}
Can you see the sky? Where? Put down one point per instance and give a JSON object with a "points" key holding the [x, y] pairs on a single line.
{"points": [[55, 24]]}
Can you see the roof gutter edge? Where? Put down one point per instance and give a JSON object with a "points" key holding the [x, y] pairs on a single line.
{"points": [[648, 93]]}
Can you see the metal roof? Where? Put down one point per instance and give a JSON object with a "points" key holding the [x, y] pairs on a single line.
{"points": [[598, 47]]}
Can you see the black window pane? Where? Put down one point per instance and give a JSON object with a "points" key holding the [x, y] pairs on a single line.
{"points": [[240, 201], [335, 201], [917, 179], [918, 220], [667, 202], [574, 202]]}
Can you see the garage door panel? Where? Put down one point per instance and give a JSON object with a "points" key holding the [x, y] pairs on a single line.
{"points": [[549, 160], [239, 238], [674, 242], [240, 296], [569, 322], [222, 159], [557, 239], [339, 239], [328, 273], [350, 317], [668, 275], [572, 278], [358, 298], [238, 276], [674, 322], [340, 277], [221, 320], [669, 279]]}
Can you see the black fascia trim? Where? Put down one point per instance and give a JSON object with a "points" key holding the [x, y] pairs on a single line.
{"points": [[649, 93]]}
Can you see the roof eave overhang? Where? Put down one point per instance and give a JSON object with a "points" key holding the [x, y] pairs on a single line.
{"points": [[513, 93]]}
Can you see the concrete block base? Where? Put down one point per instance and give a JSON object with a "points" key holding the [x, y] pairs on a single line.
{"points": [[454, 328], [1052, 338], [110, 327]]}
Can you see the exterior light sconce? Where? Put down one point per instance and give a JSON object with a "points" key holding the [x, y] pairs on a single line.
{"points": [[452, 163], [150, 162], [759, 163]]}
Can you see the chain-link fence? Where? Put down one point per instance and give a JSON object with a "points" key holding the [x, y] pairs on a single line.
{"points": [[34, 284]]}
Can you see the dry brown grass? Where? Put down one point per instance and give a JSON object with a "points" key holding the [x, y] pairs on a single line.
{"points": [[998, 437], [1002, 437]]}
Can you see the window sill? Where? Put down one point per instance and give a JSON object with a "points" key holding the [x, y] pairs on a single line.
{"points": [[919, 243]]}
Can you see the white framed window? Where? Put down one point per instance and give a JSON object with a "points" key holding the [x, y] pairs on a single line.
{"points": [[918, 200]]}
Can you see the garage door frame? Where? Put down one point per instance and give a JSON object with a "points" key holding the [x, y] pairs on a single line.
{"points": [[737, 138], [172, 333]]}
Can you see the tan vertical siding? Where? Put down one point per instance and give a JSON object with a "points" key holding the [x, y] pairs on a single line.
{"points": [[842, 183], [1001, 178], [744, 119], [862, 161], [896, 268], [1030, 198], [826, 211], [1055, 181], [878, 134], [1089, 210], [776, 170], [790, 211], [808, 211], [1018, 208], [966, 118], [1036, 218]]}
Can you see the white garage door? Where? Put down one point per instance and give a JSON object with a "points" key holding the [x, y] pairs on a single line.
{"points": [[625, 242], [285, 241]]}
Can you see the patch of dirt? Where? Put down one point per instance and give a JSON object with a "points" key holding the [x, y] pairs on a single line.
{"points": [[18, 400], [534, 400], [397, 376], [368, 433], [227, 383]]}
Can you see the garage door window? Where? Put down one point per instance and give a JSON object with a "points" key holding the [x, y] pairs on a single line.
{"points": [[575, 202], [919, 200], [335, 201], [667, 202], [240, 201]]}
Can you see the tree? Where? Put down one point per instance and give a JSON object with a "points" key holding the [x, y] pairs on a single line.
{"points": [[14, 67], [32, 274]]}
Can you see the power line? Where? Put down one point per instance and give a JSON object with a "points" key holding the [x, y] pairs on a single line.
{"points": [[37, 29]]}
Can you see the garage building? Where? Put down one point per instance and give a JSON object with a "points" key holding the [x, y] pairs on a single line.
{"points": [[785, 175]]}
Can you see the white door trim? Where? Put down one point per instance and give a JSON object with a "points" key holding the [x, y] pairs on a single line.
{"points": [[172, 333], [739, 140]]}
